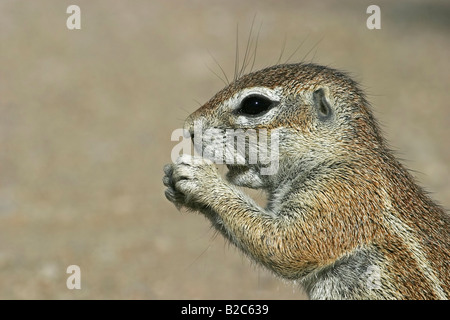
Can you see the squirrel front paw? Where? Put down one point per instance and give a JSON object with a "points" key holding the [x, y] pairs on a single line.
{"points": [[189, 181]]}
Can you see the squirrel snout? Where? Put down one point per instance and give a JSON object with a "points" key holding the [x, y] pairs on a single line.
{"points": [[193, 125], [189, 128]]}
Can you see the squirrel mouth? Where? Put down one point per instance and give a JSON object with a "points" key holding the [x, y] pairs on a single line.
{"points": [[235, 170], [237, 167]]}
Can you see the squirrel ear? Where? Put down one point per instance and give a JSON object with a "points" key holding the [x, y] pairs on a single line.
{"points": [[322, 106]]}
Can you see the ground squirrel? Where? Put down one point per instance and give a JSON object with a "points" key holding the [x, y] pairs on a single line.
{"points": [[344, 218]]}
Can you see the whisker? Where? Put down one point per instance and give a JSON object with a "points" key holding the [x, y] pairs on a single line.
{"points": [[197, 102], [217, 75], [313, 57], [247, 49], [313, 47], [220, 67], [256, 47], [295, 51], [199, 256], [282, 51], [185, 110], [236, 59]]}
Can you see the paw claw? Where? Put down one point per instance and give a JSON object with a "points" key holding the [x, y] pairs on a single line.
{"points": [[168, 168], [167, 181]]}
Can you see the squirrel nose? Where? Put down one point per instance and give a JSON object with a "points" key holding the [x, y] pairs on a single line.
{"points": [[189, 127], [193, 124]]}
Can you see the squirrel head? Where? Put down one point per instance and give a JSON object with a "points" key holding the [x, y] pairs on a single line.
{"points": [[319, 116]]}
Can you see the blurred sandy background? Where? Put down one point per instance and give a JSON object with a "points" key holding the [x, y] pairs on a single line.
{"points": [[86, 118]]}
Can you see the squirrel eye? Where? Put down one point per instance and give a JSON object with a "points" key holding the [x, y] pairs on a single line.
{"points": [[255, 105]]}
